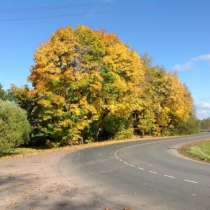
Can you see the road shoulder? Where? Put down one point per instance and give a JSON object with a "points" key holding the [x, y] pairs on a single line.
{"points": [[184, 151]]}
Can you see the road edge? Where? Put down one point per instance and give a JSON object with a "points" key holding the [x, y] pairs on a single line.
{"points": [[178, 151]]}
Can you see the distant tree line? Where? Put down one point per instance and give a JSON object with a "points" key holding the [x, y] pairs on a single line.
{"points": [[205, 124], [88, 85]]}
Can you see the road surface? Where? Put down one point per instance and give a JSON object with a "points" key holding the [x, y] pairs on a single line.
{"points": [[144, 175]]}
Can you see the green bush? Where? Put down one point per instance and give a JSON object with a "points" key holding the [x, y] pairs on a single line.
{"points": [[124, 134], [191, 126], [116, 128], [14, 126], [110, 127]]}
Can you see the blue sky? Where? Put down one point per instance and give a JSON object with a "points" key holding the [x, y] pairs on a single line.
{"points": [[175, 33]]}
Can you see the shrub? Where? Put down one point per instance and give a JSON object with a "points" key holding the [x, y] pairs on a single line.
{"points": [[110, 127], [117, 127], [191, 126], [124, 134], [14, 126]]}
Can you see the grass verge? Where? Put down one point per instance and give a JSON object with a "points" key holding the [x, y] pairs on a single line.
{"points": [[25, 151], [20, 151], [199, 150]]}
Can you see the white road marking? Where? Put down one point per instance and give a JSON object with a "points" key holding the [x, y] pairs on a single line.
{"points": [[131, 165], [191, 181], [142, 169], [150, 171], [153, 172], [169, 176]]}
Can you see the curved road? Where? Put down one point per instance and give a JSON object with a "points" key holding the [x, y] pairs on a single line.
{"points": [[144, 175]]}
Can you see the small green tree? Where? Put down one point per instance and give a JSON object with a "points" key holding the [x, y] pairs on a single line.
{"points": [[205, 124], [3, 93], [191, 126], [14, 126], [6, 95]]}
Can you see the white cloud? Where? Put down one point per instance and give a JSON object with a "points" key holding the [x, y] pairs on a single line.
{"points": [[202, 58], [191, 63], [203, 109]]}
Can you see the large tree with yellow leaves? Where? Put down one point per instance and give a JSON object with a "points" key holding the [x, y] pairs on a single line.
{"points": [[81, 79], [88, 84], [167, 103]]}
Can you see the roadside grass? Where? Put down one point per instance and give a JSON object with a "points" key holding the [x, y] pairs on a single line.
{"points": [[28, 151], [199, 150], [19, 151]]}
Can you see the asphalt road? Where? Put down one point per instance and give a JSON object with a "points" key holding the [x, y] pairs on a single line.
{"points": [[144, 175]]}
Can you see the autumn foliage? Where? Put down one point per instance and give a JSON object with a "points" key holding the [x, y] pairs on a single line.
{"points": [[89, 85]]}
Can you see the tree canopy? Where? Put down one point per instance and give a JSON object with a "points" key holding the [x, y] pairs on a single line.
{"points": [[89, 84]]}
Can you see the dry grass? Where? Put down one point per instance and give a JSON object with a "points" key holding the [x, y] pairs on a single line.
{"points": [[25, 151]]}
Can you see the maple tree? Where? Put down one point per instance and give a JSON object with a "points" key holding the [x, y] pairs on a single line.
{"points": [[89, 84], [81, 78], [167, 103]]}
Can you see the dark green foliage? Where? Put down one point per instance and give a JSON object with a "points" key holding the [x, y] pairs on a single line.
{"points": [[191, 126], [6, 94], [116, 127], [205, 124], [14, 126], [3, 93], [111, 127]]}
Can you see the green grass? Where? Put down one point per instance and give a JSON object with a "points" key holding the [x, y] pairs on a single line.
{"points": [[199, 151]]}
